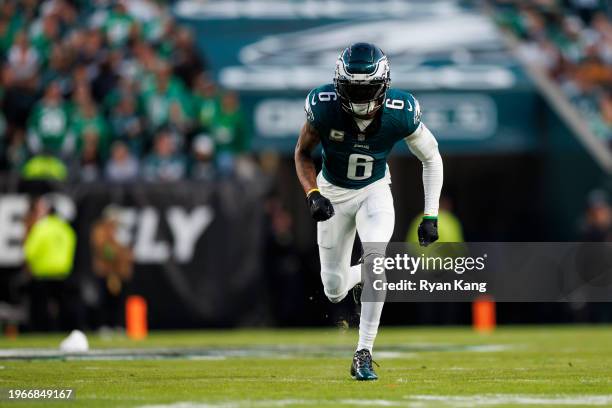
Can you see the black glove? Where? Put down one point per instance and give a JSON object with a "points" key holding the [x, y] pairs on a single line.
{"points": [[321, 208], [428, 231]]}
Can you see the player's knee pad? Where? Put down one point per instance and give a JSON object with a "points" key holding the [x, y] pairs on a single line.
{"points": [[333, 284]]}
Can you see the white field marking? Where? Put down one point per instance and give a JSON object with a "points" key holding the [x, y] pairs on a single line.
{"points": [[388, 355], [194, 405], [477, 348], [284, 403], [280, 380], [376, 403], [505, 399], [120, 354], [489, 348], [278, 353], [414, 401], [594, 380], [214, 358]]}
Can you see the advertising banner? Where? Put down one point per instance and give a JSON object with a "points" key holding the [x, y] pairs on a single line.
{"points": [[474, 96], [195, 245]]}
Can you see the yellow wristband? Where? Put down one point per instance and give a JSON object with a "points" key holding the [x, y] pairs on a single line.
{"points": [[312, 190]]}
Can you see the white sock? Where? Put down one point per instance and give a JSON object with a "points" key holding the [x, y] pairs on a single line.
{"points": [[368, 324]]}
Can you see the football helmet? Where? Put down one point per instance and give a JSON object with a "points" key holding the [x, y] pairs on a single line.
{"points": [[362, 78]]}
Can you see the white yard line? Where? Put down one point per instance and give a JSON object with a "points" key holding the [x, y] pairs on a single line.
{"points": [[517, 399], [272, 352], [413, 401]]}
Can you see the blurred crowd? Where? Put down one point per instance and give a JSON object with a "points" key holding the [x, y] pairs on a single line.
{"points": [[110, 90], [572, 41]]}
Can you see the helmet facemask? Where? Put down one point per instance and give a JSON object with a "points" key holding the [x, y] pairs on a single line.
{"points": [[361, 98]]}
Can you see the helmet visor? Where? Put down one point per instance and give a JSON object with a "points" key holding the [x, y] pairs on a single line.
{"points": [[360, 92]]}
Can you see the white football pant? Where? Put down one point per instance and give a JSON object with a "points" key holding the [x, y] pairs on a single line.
{"points": [[370, 212]]}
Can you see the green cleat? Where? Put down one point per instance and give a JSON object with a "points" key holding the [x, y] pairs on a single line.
{"points": [[361, 369]]}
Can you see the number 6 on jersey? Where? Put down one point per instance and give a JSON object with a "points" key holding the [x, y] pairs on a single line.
{"points": [[359, 166]]}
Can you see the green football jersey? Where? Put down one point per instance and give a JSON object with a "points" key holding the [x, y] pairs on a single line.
{"points": [[353, 158], [49, 124]]}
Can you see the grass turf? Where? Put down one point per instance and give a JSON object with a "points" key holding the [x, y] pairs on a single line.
{"points": [[454, 367]]}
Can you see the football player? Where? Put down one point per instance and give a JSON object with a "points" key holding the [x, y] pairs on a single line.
{"points": [[357, 120]]}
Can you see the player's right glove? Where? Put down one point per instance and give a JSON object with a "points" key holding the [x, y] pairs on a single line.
{"points": [[428, 231], [321, 208]]}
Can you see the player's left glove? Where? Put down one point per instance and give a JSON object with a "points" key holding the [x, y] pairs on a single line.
{"points": [[428, 231]]}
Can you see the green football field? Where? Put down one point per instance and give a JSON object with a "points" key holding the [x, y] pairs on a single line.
{"points": [[440, 367]]}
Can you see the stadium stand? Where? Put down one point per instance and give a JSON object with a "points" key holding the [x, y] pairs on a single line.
{"points": [[571, 40], [109, 90]]}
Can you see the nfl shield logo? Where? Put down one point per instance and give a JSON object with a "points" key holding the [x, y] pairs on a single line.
{"points": [[336, 135]]}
